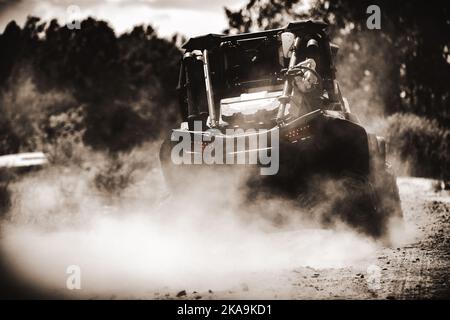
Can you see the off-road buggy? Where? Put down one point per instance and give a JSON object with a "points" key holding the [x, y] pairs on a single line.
{"points": [[282, 80]]}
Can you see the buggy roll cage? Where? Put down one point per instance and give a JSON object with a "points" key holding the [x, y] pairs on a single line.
{"points": [[213, 66]]}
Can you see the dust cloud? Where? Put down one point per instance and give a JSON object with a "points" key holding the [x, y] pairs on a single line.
{"points": [[146, 241]]}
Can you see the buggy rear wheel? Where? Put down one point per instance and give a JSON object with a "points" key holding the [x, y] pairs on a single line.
{"points": [[369, 204]]}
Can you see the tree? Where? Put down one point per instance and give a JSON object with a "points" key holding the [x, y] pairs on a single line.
{"points": [[125, 84], [413, 43]]}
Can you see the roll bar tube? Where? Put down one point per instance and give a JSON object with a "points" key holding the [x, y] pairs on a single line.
{"points": [[287, 89], [209, 90]]}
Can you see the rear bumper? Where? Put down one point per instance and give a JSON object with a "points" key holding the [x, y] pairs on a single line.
{"points": [[315, 144]]}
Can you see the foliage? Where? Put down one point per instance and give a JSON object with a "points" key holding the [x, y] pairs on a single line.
{"points": [[421, 142], [413, 42], [126, 84]]}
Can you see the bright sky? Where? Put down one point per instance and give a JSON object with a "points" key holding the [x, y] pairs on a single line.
{"points": [[190, 17]]}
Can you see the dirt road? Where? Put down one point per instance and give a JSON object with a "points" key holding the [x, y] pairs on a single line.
{"points": [[417, 269], [130, 258]]}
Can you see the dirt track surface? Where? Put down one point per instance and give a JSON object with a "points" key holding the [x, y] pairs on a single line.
{"points": [[416, 269], [419, 269]]}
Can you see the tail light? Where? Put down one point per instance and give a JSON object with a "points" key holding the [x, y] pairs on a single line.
{"points": [[299, 133]]}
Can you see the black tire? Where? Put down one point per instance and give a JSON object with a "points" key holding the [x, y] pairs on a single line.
{"points": [[387, 195], [358, 206], [369, 204]]}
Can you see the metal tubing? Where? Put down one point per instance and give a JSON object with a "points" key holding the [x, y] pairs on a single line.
{"points": [[209, 90]]}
